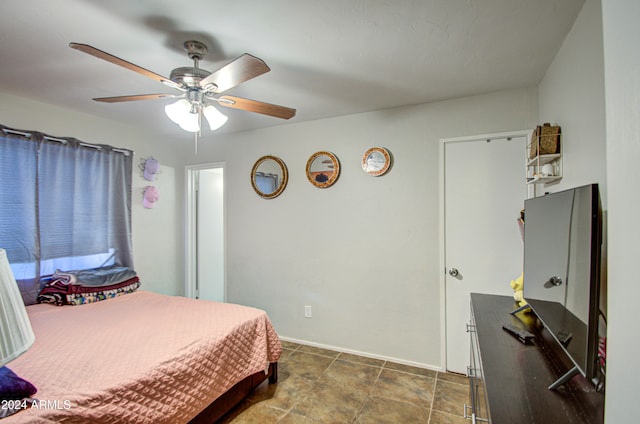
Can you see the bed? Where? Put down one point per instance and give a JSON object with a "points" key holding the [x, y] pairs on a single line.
{"points": [[144, 357]]}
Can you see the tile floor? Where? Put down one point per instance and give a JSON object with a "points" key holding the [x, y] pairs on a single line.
{"points": [[323, 386]]}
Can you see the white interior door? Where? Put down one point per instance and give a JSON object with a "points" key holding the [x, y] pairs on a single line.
{"points": [[205, 253], [210, 235], [484, 191]]}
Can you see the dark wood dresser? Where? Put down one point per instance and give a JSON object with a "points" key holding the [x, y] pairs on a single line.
{"points": [[509, 380]]}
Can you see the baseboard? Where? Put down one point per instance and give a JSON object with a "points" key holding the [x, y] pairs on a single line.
{"points": [[365, 354]]}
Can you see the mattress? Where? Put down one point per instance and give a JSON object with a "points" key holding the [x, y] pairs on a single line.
{"points": [[141, 357]]}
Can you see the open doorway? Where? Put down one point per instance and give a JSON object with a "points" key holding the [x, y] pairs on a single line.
{"points": [[205, 222]]}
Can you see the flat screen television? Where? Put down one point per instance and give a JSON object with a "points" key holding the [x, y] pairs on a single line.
{"points": [[562, 254]]}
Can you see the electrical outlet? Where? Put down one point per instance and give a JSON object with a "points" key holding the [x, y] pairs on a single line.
{"points": [[307, 311]]}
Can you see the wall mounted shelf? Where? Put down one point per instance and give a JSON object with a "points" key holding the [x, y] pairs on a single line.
{"points": [[543, 168]]}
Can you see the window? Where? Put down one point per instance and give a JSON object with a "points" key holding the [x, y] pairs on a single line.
{"points": [[64, 204], [267, 183]]}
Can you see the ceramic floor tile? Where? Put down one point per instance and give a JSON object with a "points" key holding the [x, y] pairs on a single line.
{"points": [[285, 355], [318, 351], [289, 345], [331, 402], [404, 387], [358, 376], [453, 378], [305, 365], [293, 418], [247, 413], [361, 360], [284, 394], [439, 417], [410, 369], [388, 411], [450, 397], [322, 386]]}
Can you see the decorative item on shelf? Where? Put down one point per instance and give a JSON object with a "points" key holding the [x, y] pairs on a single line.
{"points": [[323, 169], [544, 164], [545, 140], [547, 170], [150, 196], [549, 139], [269, 176], [376, 161], [150, 168], [533, 145]]}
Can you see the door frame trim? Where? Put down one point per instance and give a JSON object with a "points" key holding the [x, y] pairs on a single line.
{"points": [[441, 224], [190, 235]]}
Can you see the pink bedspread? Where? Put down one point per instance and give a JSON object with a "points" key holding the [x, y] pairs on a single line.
{"points": [[141, 357]]}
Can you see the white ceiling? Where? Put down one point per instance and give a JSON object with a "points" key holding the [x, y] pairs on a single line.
{"points": [[327, 57]]}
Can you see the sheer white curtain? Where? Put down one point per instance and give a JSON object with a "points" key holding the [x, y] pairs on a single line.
{"points": [[64, 204]]}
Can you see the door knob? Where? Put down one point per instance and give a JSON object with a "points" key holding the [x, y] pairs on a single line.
{"points": [[453, 272], [555, 281]]}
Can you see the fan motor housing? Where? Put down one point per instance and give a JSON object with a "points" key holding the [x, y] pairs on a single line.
{"points": [[195, 49], [188, 76]]}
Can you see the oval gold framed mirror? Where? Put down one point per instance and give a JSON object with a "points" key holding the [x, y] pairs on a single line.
{"points": [[269, 176], [376, 161], [323, 169]]}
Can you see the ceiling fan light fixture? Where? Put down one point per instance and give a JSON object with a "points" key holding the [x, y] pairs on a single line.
{"points": [[215, 118], [191, 122], [198, 87], [175, 111], [181, 113]]}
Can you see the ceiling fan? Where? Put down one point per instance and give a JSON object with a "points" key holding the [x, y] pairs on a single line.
{"points": [[200, 89]]}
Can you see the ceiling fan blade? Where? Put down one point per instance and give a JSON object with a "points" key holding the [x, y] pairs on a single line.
{"points": [[238, 71], [258, 107], [118, 99], [85, 48]]}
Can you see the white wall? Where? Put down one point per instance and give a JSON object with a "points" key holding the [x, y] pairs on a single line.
{"points": [[365, 252], [622, 86], [572, 95], [157, 233]]}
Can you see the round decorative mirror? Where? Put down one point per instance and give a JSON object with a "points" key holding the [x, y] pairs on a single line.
{"points": [[323, 169], [269, 176], [376, 161]]}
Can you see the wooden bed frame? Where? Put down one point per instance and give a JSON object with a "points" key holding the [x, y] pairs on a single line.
{"points": [[235, 395]]}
